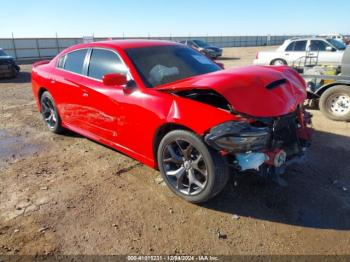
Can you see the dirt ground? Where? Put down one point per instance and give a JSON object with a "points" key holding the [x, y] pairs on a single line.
{"points": [[69, 195]]}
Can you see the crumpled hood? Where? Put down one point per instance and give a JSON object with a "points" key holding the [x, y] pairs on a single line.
{"points": [[260, 91]]}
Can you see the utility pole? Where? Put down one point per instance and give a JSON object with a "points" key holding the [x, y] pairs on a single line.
{"points": [[14, 46]]}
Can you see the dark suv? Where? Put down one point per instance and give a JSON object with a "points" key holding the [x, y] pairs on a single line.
{"points": [[203, 47], [8, 66]]}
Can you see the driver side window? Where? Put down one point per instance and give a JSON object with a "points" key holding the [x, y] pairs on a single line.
{"points": [[104, 62], [318, 45]]}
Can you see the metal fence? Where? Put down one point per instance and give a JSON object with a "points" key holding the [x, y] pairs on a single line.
{"points": [[43, 48]]}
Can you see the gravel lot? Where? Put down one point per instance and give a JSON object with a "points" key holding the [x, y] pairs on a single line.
{"points": [[69, 195]]}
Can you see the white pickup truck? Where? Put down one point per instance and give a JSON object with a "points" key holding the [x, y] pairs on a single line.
{"points": [[294, 51]]}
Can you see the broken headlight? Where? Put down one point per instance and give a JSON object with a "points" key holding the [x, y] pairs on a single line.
{"points": [[238, 137]]}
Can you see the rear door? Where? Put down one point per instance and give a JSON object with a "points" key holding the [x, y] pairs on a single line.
{"points": [[68, 88], [295, 52]]}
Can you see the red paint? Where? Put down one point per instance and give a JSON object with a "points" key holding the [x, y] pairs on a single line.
{"points": [[128, 119]]}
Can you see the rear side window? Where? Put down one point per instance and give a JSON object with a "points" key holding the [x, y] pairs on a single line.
{"points": [[290, 47], [74, 61], [297, 46], [60, 63], [300, 46], [104, 62], [2, 53]]}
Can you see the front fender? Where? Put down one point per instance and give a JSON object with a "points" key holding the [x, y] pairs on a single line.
{"points": [[322, 89], [311, 95], [197, 116]]}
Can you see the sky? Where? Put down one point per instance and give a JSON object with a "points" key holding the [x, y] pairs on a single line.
{"points": [[115, 18]]}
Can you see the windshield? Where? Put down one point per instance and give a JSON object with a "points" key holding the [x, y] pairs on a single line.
{"points": [[200, 43], [158, 65], [2, 53], [337, 44]]}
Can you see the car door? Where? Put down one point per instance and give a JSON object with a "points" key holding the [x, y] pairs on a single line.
{"points": [[102, 103], [68, 89], [326, 53], [295, 52]]}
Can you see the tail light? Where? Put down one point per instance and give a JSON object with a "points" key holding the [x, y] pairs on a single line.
{"points": [[257, 55]]}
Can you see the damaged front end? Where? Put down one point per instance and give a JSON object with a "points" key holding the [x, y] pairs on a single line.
{"points": [[273, 129], [263, 145]]}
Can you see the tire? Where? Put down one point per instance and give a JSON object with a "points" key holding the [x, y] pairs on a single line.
{"points": [[50, 114], [187, 164], [335, 103], [278, 62], [14, 72]]}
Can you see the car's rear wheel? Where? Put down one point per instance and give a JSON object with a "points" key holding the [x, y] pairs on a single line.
{"points": [[335, 103], [278, 62], [50, 113], [190, 169]]}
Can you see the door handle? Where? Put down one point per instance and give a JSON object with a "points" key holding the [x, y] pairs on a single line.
{"points": [[287, 53], [52, 81], [85, 94]]}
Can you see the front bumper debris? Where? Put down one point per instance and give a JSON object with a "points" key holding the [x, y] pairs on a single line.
{"points": [[238, 137], [265, 146]]}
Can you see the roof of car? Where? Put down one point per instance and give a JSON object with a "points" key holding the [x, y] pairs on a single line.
{"points": [[124, 44], [334, 34], [305, 38]]}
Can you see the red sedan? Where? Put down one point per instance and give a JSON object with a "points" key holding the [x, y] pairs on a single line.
{"points": [[174, 109]]}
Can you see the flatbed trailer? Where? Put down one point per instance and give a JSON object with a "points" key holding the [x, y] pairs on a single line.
{"points": [[333, 98]]}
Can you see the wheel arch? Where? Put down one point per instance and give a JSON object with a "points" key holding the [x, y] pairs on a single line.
{"points": [[324, 88], [161, 132], [41, 91], [273, 60]]}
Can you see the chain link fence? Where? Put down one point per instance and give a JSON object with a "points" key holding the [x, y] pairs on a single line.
{"points": [[43, 48]]}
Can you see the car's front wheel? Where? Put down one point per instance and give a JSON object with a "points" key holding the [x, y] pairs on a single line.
{"points": [[191, 169], [50, 113]]}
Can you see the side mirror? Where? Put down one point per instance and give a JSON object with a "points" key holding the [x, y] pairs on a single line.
{"points": [[330, 49], [114, 79]]}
